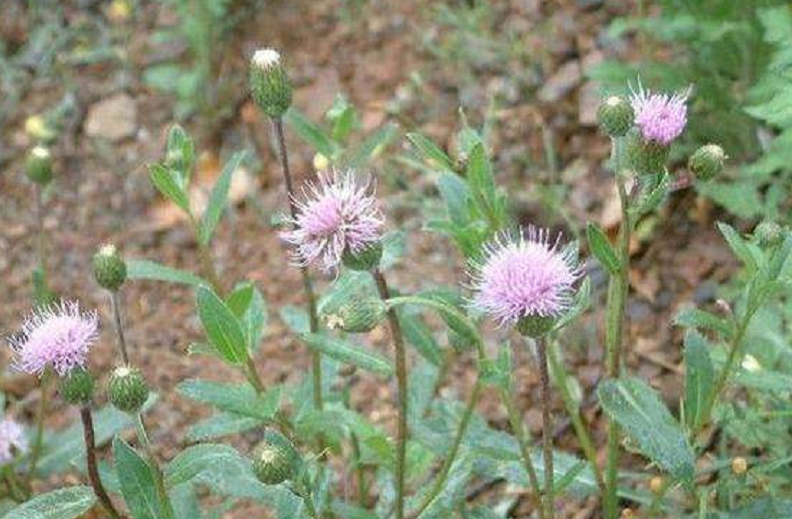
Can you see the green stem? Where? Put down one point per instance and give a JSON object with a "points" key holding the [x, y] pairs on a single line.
{"points": [[115, 303], [252, 375], [15, 490], [38, 442], [735, 353], [156, 470], [578, 425], [445, 470], [401, 378], [41, 239], [91, 464], [518, 430], [618, 287], [547, 428]]}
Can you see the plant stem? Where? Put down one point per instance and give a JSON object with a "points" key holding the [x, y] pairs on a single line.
{"points": [[578, 423], [252, 375], [40, 237], [735, 352], [547, 427], [15, 490], [453, 451], [115, 303], [618, 287], [316, 357], [38, 442], [90, 459], [401, 379], [159, 479], [208, 270], [515, 420]]}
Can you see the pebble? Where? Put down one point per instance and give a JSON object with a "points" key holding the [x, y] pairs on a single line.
{"points": [[113, 118]]}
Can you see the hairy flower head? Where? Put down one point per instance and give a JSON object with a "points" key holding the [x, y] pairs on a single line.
{"points": [[660, 117], [337, 214], [58, 336], [12, 440], [266, 58], [524, 275]]}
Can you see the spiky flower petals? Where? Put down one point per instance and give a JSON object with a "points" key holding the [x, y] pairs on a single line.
{"points": [[660, 117], [524, 275], [12, 440], [338, 215], [58, 336]]}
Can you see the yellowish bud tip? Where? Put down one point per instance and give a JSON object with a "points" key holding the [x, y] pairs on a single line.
{"points": [[739, 465], [656, 484], [265, 58]]}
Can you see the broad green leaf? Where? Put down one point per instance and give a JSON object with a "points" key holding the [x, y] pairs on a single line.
{"points": [[602, 249], [699, 379], [218, 198], [66, 503], [648, 423], [221, 424], [429, 151], [296, 319], [239, 399], [741, 248], [151, 270], [223, 328], [456, 195], [137, 482], [310, 133], [455, 319], [420, 336], [349, 353], [200, 459], [163, 180], [185, 502], [694, 318], [238, 301]]}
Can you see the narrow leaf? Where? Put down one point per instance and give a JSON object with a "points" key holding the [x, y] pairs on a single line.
{"points": [[163, 180], [223, 328], [137, 482], [699, 379], [151, 270], [349, 353], [219, 197], [66, 503], [601, 248]]}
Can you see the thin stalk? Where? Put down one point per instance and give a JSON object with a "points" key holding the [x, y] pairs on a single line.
{"points": [[547, 427], [41, 244], [115, 304], [208, 270], [252, 375], [309, 505], [618, 287], [15, 490], [316, 357], [156, 470], [38, 441], [360, 475], [515, 420], [445, 470], [90, 459], [400, 354], [735, 348]]}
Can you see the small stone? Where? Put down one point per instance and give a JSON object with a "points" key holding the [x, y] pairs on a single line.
{"points": [[113, 118]]}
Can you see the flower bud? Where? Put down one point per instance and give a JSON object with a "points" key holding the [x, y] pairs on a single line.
{"points": [[739, 465], [615, 116], [707, 162], [127, 389], [645, 157], [536, 326], [269, 84], [365, 260], [320, 162], [77, 387], [275, 459], [356, 315], [768, 234], [109, 268], [39, 166], [656, 484]]}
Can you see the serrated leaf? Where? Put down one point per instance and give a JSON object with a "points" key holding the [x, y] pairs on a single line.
{"points": [[218, 198], [151, 270], [349, 353], [699, 380], [602, 249], [648, 423], [137, 482], [66, 503], [163, 180], [223, 328]]}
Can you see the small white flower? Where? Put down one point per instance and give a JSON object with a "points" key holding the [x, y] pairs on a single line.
{"points": [[265, 59]]}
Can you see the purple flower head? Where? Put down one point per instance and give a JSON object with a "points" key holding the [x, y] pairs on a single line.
{"points": [[12, 440], [58, 336], [661, 117], [337, 214], [524, 275]]}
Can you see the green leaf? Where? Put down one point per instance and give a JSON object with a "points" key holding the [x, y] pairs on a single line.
{"points": [[455, 194], [372, 146], [310, 133], [163, 180], [255, 320], [739, 246], [221, 424], [420, 336], [137, 482], [455, 319], [296, 319], [181, 144], [648, 423], [151, 270], [239, 300], [218, 199], [223, 329], [601, 248], [198, 459], [429, 151], [239, 399], [66, 503], [344, 351], [693, 317], [482, 186], [699, 379]]}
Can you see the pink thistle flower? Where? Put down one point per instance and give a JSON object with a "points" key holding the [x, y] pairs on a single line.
{"points": [[524, 275], [58, 336], [12, 440], [661, 117], [337, 215]]}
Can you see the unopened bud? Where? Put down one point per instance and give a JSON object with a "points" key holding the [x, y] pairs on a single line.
{"points": [[39, 165], [320, 162], [768, 234], [739, 465], [275, 459], [77, 387], [707, 162], [269, 83], [536, 326], [364, 260], [356, 315], [109, 268], [615, 116], [644, 156], [656, 484], [127, 389]]}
